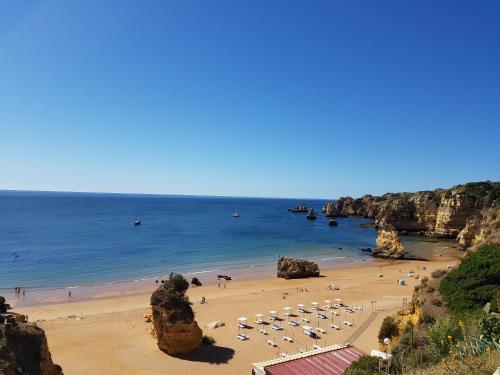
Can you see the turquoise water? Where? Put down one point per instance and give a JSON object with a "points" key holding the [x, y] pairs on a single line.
{"points": [[69, 239]]}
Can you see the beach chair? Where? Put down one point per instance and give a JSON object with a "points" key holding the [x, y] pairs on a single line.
{"points": [[336, 313], [334, 326], [263, 331], [271, 342], [347, 323], [321, 330], [277, 327], [316, 347], [321, 316], [293, 323], [242, 337], [287, 338]]}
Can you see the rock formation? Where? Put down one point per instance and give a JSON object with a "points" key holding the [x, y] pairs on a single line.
{"points": [[173, 319], [300, 208], [311, 214], [292, 268], [332, 223], [388, 243], [330, 210], [23, 348], [439, 213], [195, 281]]}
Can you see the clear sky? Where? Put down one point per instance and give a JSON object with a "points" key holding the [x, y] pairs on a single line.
{"points": [[256, 98]]}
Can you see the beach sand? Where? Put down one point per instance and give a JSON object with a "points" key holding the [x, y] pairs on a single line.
{"points": [[106, 334]]}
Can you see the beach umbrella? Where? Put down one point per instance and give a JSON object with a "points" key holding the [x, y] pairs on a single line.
{"points": [[273, 314], [301, 307], [259, 315], [328, 303], [287, 311], [314, 305]]}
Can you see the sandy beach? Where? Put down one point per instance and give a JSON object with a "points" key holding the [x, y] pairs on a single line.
{"points": [[106, 333]]}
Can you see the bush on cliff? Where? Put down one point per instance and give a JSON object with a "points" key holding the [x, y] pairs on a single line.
{"points": [[388, 329], [474, 282], [3, 306]]}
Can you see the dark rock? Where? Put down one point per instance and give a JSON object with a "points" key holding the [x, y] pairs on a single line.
{"points": [[311, 215], [292, 268], [332, 223], [196, 281], [300, 208], [366, 249]]}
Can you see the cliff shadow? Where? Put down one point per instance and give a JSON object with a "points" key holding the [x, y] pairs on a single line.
{"points": [[212, 354]]}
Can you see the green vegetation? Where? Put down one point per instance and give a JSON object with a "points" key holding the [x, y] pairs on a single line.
{"points": [[208, 340], [453, 336], [364, 366], [387, 329], [3, 306], [474, 282]]}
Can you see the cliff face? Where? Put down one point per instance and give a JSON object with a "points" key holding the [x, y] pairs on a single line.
{"points": [[24, 350], [388, 243], [440, 213], [174, 326]]}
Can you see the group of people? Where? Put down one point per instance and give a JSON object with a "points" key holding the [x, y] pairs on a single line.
{"points": [[19, 291]]}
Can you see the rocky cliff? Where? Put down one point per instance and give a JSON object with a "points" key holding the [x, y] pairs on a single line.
{"points": [[24, 349], [292, 268], [174, 326], [388, 243], [438, 213]]}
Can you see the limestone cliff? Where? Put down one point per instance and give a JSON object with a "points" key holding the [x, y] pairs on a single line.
{"points": [[438, 213], [24, 349], [174, 326], [388, 243]]}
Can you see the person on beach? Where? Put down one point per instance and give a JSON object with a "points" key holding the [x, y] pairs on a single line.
{"points": [[24, 292], [69, 294], [203, 300]]}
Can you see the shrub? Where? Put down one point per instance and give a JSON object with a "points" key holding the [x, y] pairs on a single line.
{"points": [[436, 274], [3, 306], [443, 334], [387, 329], [364, 365], [208, 340], [474, 282], [489, 326], [437, 302]]}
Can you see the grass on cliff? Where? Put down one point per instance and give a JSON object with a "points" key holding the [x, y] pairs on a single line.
{"points": [[475, 282]]}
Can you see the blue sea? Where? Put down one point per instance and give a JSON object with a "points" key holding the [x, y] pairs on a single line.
{"points": [[73, 239]]}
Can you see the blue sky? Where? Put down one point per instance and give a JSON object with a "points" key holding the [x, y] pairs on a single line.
{"points": [[257, 98]]}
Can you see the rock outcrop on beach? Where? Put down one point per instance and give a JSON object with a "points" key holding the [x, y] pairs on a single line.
{"points": [[388, 243], [293, 268], [174, 326], [24, 349], [299, 208], [441, 213], [330, 210]]}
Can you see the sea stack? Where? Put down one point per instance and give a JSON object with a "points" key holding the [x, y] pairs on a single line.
{"points": [[292, 268], [388, 243], [311, 215], [174, 326]]}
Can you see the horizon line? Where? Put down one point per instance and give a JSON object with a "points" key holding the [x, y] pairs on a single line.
{"points": [[154, 194]]}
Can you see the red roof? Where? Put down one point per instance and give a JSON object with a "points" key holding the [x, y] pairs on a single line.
{"points": [[334, 362]]}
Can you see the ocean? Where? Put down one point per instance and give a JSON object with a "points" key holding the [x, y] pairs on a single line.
{"points": [[74, 239]]}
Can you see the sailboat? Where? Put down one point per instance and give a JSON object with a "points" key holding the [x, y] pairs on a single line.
{"points": [[236, 213], [137, 220]]}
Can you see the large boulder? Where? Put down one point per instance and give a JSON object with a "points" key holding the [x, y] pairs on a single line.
{"points": [[24, 348], [174, 326], [292, 268], [388, 243]]}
